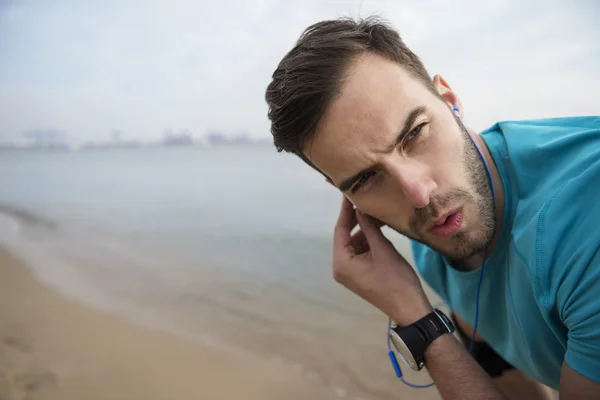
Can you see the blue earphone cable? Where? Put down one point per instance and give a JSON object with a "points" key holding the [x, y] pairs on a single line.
{"points": [[477, 303], [391, 354], [397, 366]]}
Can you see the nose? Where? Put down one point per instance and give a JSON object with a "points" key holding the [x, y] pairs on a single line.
{"points": [[414, 182]]}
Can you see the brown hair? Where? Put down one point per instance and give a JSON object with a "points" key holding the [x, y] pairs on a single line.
{"points": [[310, 75]]}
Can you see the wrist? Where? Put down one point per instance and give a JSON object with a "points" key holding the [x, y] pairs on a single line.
{"points": [[413, 340], [440, 345]]}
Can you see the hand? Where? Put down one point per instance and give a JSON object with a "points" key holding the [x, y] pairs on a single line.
{"points": [[368, 264]]}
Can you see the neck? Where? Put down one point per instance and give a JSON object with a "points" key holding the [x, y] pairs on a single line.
{"points": [[475, 261]]}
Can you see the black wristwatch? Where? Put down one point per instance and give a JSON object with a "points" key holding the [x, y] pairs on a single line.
{"points": [[411, 341]]}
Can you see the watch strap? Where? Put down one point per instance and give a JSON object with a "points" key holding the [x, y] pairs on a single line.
{"points": [[433, 326], [419, 335]]}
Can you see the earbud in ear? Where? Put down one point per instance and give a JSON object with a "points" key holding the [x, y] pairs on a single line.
{"points": [[455, 109]]}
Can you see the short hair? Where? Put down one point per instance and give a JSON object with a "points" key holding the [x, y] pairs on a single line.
{"points": [[311, 74]]}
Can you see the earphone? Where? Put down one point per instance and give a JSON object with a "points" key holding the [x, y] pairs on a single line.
{"points": [[391, 354]]}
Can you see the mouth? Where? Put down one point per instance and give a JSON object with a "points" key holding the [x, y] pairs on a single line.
{"points": [[448, 224]]}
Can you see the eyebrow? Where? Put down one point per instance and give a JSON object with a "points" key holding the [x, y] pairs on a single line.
{"points": [[347, 183]]}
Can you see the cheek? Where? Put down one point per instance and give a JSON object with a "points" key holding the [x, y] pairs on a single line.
{"points": [[444, 155], [386, 207], [447, 146]]}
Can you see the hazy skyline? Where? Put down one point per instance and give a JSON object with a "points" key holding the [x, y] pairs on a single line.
{"points": [[143, 67]]}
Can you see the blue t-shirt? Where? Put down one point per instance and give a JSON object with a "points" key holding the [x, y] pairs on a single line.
{"points": [[540, 296]]}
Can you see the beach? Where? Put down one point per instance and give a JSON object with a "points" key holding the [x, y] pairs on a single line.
{"points": [[52, 347], [144, 276], [170, 289]]}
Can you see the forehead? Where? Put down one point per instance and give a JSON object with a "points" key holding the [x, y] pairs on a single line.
{"points": [[366, 117]]}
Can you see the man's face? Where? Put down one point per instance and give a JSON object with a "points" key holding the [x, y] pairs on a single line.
{"points": [[400, 155]]}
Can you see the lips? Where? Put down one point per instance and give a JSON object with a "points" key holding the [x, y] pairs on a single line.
{"points": [[448, 225]]}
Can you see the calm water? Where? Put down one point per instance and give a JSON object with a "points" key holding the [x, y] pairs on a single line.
{"points": [[230, 246]]}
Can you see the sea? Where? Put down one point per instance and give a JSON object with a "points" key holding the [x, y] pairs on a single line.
{"points": [[226, 246]]}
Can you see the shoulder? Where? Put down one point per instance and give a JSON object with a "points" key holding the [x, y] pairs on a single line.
{"points": [[540, 139], [553, 177], [548, 127], [540, 155], [557, 191], [568, 233], [567, 262], [538, 148]]}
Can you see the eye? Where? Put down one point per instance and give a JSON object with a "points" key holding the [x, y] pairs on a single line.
{"points": [[362, 181], [415, 132]]}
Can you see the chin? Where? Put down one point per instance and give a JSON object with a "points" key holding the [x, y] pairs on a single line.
{"points": [[461, 246]]}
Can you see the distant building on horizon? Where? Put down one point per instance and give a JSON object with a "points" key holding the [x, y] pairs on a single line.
{"points": [[242, 137], [46, 139], [215, 138], [184, 138]]}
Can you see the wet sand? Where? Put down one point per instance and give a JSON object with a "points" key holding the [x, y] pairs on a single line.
{"points": [[52, 347]]}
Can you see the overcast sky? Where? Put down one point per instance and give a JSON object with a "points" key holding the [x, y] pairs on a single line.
{"points": [[88, 67]]}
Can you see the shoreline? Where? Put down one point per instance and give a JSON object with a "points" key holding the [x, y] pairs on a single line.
{"points": [[54, 347]]}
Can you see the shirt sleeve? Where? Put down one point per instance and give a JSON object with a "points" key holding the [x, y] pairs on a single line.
{"points": [[581, 315], [568, 265]]}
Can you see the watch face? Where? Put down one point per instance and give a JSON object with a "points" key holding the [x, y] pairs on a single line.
{"points": [[403, 350]]}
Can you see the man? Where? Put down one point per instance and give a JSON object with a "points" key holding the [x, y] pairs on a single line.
{"points": [[517, 206]]}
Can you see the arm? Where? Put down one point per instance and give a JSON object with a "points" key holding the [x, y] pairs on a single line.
{"points": [[573, 385], [580, 312], [369, 265], [456, 374], [577, 297], [569, 256], [513, 383]]}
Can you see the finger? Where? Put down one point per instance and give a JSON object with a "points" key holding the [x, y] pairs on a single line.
{"points": [[371, 229], [359, 242], [379, 223], [346, 222]]}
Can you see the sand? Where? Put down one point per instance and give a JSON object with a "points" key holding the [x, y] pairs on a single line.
{"points": [[52, 347]]}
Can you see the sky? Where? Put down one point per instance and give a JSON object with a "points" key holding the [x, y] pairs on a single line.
{"points": [[88, 68]]}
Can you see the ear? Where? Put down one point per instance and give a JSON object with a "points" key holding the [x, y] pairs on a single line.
{"points": [[444, 89]]}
